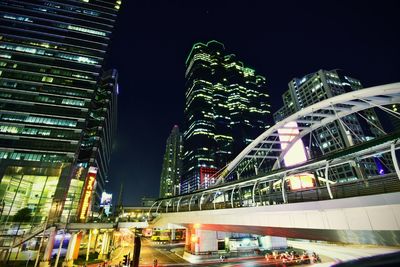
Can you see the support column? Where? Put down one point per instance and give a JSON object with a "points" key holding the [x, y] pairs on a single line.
{"points": [[88, 245], [69, 256], [187, 239], [173, 234], [49, 248], [104, 246], [394, 159], [328, 185], [283, 189], [204, 241], [270, 191]]}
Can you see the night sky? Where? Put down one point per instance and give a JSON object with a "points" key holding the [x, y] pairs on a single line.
{"points": [[279, 39]]}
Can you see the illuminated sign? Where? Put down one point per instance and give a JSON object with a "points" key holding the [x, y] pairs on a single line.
{"points": [[106, 199], [296, 154], [301, 181], [87, 193], [105, 202]]}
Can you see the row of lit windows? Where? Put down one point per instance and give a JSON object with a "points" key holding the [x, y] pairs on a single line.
{"points": [[38, 131], [32, 157], [72, 8], [38, 51], [22, 130], [46, 44], [39, 120], [44, 69], [42, 78], [58, 25], [45, 89], [44, 99]]}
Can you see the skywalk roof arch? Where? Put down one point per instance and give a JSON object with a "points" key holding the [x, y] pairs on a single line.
{"points": [[316, 116]]}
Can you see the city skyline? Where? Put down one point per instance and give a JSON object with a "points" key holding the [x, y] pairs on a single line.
{"points": [[280, 41]]}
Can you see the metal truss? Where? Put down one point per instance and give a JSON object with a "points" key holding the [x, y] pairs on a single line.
{"points": [[260, 189]]}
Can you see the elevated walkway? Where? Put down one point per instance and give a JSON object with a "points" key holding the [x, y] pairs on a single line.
{"points": [[373, 219]]}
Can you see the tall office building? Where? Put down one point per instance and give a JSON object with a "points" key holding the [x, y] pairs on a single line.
{"points": [[51, 55], [100, 131], [172, 164], [226, 108], [322, 85]]}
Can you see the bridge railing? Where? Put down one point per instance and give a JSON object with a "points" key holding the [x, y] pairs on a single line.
{"points": [[374, 185]]}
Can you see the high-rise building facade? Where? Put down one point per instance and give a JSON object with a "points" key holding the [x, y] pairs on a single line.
{"points": [[226, 108], [337, 135], [51, 55], [172, 164]]}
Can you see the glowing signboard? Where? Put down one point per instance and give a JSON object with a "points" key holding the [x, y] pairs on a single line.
{"points": [[301, 181], [296, 153], [106, 199], [87, 193], [105, 202]]}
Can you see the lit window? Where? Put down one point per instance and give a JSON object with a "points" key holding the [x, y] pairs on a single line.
{"points": [[47, 79], [86, 30]]}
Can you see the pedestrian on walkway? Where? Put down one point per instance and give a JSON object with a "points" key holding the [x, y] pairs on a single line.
{"points": [[155, 263]]}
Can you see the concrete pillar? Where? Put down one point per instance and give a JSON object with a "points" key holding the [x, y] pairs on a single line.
{"points": [[49, 248], [173, 236], [69, 256], [104, 245], [205, 241], [187, 239]]}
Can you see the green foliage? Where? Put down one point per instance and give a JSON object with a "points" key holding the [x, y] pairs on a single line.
{"points": [[23, 215]]}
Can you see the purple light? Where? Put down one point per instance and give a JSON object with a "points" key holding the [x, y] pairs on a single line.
{"points": [[379, 166], [117, 89]]}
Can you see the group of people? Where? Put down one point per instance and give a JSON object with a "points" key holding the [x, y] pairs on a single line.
{"points": [[293, 257]]}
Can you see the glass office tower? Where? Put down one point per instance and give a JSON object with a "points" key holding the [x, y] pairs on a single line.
{"points": [[51, 54], [226, 108], [321, 85], [172, 164]]}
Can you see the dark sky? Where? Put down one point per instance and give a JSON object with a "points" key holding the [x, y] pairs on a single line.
{"points": [[279, 39]]}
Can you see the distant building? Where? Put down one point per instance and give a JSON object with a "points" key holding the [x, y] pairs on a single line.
{"points": [[226, 108], [172, 165], [322, 85], [51, 58]]}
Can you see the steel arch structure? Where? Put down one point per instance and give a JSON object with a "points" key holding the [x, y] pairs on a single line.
{"points": [[227, 195], [314, 117]]}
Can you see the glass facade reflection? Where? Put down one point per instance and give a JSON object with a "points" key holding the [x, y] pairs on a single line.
{"points": [[227, 106], [51, 55]]}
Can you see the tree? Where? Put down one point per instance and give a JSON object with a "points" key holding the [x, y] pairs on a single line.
{"points": [[23, 215]]}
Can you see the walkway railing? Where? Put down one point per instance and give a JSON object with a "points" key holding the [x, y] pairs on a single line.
{"points": [[374, 185]]}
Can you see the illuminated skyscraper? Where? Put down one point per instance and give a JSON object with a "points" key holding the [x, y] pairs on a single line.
{"points": [[322, 85], [51, 94], [226, 108], [172, 164]]}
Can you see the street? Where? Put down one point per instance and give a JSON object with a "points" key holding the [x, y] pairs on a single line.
{"points": [[165, 254]]}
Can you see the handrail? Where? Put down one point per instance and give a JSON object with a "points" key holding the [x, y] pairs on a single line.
{"points": [[374, 185]]}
